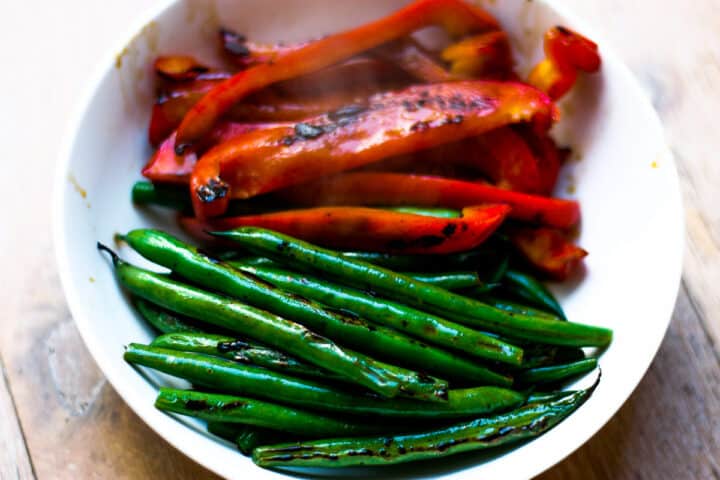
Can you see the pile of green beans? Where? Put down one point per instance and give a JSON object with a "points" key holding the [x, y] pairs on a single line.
{"points": [[304, 356]]}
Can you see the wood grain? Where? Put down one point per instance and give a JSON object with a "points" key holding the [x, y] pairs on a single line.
{"points": [[76, 426], [14, 459], [670, 427]]}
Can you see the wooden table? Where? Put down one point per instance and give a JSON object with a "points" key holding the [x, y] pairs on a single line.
{"points": [[60, 419]]}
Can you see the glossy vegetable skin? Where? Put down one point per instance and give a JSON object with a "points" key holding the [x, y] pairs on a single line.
{"points": [[486, 55], [240, 351], [257, 324], [524, 286], [382, 342], [226, 408], [261, 383], [457, 17], [455, 307], [396, 123], [548, 250], [375, 188], [162, 320], [566, 53], [556, 373], [246, 437], [526, 422], [369, 229], [166, 166], [460, 280], [429, 327]]}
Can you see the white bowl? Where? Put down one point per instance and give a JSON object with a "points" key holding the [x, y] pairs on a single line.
{"points": [[626, 182]]}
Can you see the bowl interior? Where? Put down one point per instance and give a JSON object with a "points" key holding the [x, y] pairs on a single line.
{"points": [[621, 172]]}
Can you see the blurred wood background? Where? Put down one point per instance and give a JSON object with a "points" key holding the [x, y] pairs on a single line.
{"points": [[59, 419]]}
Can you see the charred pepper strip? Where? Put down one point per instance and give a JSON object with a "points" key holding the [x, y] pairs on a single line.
{"points": [[457, 17], [397, 123], [507, 160], [265, 384], [240, 351], [166, 166], [369, 228], [566, 53], [186, 261], [412, 57], [368, 188], [526, 422], [423, 325], [178, 68], [394, 285], [528, 288], [556, 373], [486, 54], [260, 325], [227, 408], [548, 250], [385, 312]]}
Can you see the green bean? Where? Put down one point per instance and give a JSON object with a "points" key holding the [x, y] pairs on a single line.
{"points": [[391, 284], [241, 351], [162, 320], [383, 342], [246, 437], [526, 422], [448, 280], [170, 196], [232, 377], [262, 326], [526, 287], [518, 308], [427, 212], [227, 431], [556, 373], [226, 408], [471, 260], [420, 324]]}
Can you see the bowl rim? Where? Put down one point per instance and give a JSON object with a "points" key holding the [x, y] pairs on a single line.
{"points": [[62, 170]]}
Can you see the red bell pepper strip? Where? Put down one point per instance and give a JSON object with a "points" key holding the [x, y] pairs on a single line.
{"points": [[166, 166], [370, 229], [457, 17], [264, 106], [501, 155], [387, 189], [484, 55], [548, 156], [504, 157], [179, 68], [245, 53], [410, 56], [566, 53], [548, 250], [396, 123]]}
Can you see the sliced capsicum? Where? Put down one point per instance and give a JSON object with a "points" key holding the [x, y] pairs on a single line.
{"points": [[548, 250], [370, 229], [395, 123], [368, 188], [166, 166], [566, 53], [455, 16]]}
